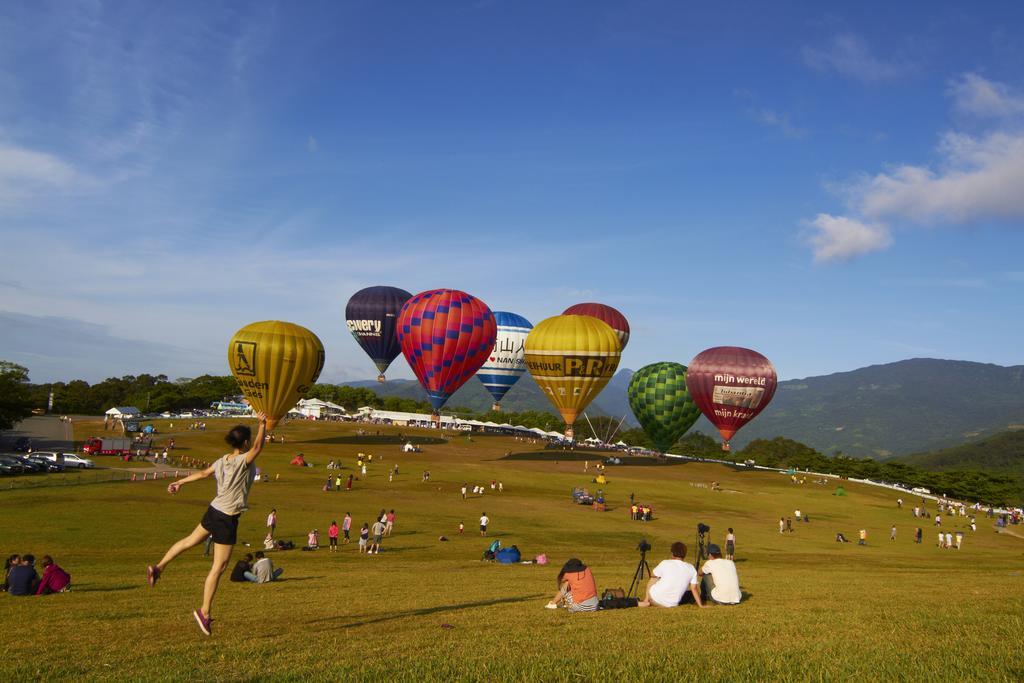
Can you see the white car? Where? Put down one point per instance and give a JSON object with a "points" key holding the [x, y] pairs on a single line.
{"points": [[72, 460]]}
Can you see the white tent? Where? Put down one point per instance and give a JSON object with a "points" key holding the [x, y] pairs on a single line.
{"points": [[122, 413]]}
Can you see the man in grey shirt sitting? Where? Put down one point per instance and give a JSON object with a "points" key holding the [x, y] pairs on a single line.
{"points": [[263, 570]]}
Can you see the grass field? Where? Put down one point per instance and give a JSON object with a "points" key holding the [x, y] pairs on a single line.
{"points": [[428, 610]]}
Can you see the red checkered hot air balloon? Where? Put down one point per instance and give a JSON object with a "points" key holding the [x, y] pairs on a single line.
{"points": [[446, 335], [730, 385]]}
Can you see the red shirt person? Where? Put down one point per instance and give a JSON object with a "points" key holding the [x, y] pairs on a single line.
{"points": [[54, 578]]}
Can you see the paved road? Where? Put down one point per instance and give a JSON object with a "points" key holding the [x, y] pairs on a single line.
{"points": [[47, 432]]}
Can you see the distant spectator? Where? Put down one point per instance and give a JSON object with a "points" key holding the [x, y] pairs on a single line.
{"points": [[55, 579], [364, 536], [22, 579], [263, 571], [9, 564], [242, 567], [730, 545], [332, 536], [389, 523], [378, 532], [484, 521], [346, 526]]}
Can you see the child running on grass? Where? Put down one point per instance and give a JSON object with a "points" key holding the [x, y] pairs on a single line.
{"points": [[234, 474]]}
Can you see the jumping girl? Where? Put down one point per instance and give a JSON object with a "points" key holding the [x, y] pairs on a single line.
{"points": [[234, 474]]}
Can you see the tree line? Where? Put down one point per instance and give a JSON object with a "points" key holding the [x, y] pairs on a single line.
{"points": [[157, 393]]}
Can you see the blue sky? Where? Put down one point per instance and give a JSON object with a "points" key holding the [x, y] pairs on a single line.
{"points": [[832, 189]]}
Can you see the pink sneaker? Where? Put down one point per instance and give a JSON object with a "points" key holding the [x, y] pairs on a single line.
{"points": [[152, 575], [203, 621]]}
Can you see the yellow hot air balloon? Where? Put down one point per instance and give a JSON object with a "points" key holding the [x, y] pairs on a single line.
{"points": [[572, 357], [275, 364]]}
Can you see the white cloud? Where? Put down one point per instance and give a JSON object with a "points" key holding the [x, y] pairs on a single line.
{"points": [[978, 96], [772, 119], [973, 178], [978, 178], [312, 145], [24, 172], [849, 56], [840, 238]]}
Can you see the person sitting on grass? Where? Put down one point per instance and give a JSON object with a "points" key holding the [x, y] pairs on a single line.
{"points": [[243, 566], [9, 564], [263, 571], [22, 579], [670, 580], [55, 579], [720, 578], [577, 590]]}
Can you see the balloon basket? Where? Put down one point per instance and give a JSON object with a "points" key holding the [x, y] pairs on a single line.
{"points": [[496, 407], [726, 447], [569, 434], [380, 378]]}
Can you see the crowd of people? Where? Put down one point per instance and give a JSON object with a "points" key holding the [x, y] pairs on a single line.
{"points": [[21, 577]]}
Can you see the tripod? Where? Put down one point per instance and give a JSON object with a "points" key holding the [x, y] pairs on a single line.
{"points": [[638, 575], [702, 547]]}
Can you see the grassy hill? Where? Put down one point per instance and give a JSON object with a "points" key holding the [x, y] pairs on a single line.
{"points": [[1003, 453], [426, 609]]}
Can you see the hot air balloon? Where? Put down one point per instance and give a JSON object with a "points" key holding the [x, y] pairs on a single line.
{"points": [[275, 363], [572, 357], [372, 318], [730, 385], [507, 363], [616, 320], [660, 401], [445, 335]]}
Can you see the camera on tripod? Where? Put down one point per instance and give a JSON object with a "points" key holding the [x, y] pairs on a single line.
{"points": [[643, 546], [702, 542]]}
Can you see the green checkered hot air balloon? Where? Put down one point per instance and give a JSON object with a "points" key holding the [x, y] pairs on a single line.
{"points": [[661, 402]]}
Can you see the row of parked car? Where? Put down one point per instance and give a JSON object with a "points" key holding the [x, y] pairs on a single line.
{"points": [[39, 462]]}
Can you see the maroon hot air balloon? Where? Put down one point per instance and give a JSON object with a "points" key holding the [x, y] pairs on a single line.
{"points": [[606, 314], [730, 385]]}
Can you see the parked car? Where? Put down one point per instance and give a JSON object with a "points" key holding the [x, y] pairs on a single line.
{"points": [[72, 460], [48, 465], [22, 444], [31, 466], [10, 464]]}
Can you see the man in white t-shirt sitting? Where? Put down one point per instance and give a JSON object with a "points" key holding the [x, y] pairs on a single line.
{"points": [[671, 579], [720, 578]]}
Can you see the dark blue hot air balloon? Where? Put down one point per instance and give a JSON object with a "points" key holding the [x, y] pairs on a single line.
{"points": [[372, 315]]}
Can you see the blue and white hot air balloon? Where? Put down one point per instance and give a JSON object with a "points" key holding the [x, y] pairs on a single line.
{"points": [[507, 361]]}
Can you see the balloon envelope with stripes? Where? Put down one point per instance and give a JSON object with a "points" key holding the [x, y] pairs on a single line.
{"points": [[572, 357], [507, 360], [445, 335]]}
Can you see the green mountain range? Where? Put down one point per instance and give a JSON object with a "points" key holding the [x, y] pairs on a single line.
{"points": [[881, 411], [1002, 453]]}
